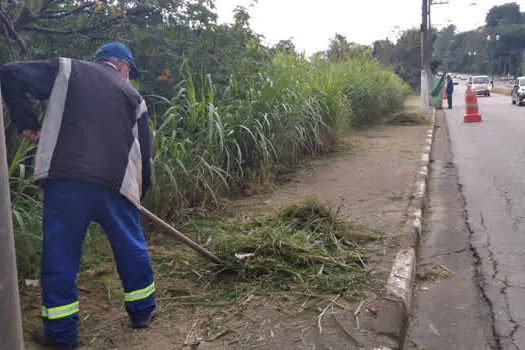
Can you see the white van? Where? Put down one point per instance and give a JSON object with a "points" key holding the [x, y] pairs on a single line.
{"points": [[481, 84]]}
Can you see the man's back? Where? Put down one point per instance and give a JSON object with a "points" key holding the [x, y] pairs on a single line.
{"points": [[95, 128]]}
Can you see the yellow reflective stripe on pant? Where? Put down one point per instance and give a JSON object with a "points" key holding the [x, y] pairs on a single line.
{"points": [[140, 294], [60, 311]]}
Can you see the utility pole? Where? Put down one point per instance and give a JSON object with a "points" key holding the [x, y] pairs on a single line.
{"points": [[10, 316], [426, 47], [424, 57], [429, 63]]}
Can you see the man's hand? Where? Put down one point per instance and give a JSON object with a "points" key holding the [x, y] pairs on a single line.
{"points": [[31, 136]]}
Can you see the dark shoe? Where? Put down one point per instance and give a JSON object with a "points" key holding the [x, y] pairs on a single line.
{"points": [[145, 323], [40, 337]]}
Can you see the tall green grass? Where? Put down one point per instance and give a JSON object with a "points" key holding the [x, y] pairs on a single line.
{"points": [[208, 146], [27, 211]]}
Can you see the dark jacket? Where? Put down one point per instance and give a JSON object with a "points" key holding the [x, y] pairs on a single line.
{"points": [[95, 128]]}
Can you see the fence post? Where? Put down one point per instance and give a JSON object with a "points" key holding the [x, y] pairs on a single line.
{"points": [[10, 315]]}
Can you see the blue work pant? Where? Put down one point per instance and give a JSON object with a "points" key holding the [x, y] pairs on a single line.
{"points": [[69, 207]]}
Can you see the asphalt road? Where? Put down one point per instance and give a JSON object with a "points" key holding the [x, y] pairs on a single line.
{"points": [[489, 293]]}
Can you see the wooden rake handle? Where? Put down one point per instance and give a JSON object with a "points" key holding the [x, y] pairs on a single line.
{"points": [[181, 237]]}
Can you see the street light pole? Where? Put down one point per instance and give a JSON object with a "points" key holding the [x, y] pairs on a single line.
{"points": [[10, 316], [470, 61], [489, 38]]}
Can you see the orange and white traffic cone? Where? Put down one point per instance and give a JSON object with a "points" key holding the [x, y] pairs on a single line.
{"points": [[472, 114]]}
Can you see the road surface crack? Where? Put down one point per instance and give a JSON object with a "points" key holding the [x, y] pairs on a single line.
{"points": [[480, 280], [516, 220], [488, 247], [515, 324]]}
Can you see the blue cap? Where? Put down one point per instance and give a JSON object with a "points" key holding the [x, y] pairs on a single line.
{"points": [[120, 51]]}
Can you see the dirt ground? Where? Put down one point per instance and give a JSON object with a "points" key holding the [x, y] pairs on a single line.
{"points": [[371, 180]]}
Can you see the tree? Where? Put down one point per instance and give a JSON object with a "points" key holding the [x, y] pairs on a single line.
{"points": [[407, 56], [444, 39], [80, 19], [340, 49], [504, 14], [285, 45], [385, 51]]}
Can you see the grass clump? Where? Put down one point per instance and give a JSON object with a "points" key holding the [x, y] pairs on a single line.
{"points": [[312, 215], [434, 272], [305, 248], [408, 118]]}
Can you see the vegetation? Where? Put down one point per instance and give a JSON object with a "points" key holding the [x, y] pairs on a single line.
{"points": [[209, 146], [304, 248], [227, 112], [503, 56]]}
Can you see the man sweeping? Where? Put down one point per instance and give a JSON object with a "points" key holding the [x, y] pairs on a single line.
{"points": [[93, 161], [450, 90]]}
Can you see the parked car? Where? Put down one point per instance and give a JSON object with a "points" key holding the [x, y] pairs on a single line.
{"points": [[518, 92], [481, 84]]}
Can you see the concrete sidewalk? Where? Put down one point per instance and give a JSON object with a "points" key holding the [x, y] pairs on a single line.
{"points": [[449, 310]]}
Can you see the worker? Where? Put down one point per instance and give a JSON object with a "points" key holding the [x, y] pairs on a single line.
{"points": [[450, 90], [93, 161]]}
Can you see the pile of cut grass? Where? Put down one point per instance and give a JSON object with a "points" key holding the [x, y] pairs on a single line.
{"points": [[408, 118], [304, 248]]}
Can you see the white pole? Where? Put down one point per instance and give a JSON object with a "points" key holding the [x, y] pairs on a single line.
{"points": [[10, 315], [424, 91]]}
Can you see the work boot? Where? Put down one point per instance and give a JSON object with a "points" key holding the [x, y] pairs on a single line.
{"points": [[40, 337], [145, 323]]}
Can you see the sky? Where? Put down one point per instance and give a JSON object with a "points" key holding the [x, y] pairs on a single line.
{"points": [[312, 23]]}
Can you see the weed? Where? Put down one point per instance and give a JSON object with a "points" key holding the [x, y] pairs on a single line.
{"points": [[305, 248], [434, 272], [408, 118]]}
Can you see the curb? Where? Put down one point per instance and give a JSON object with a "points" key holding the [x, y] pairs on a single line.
{"points": [[394, 308]]}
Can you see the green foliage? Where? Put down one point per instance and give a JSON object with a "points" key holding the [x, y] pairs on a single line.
{"points": [[305, 248], [341, 50], [408, 57], [501, 56], [27, 211], [505, 14], [285, 46]]}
